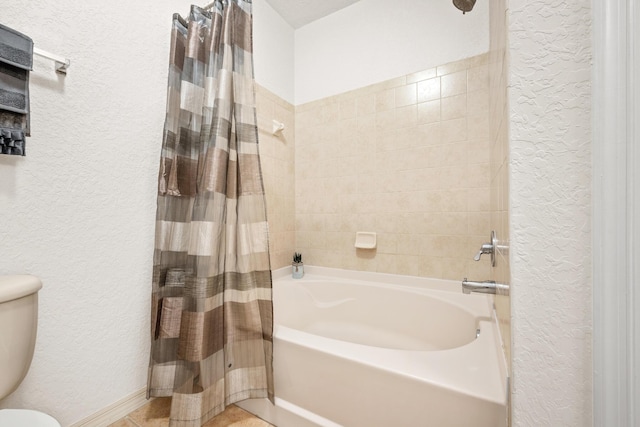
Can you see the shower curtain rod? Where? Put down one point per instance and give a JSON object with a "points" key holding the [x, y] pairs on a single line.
{"points": [[61, 63]]}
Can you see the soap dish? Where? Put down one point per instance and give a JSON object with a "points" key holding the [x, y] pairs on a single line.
{"points": [[365, 240]]}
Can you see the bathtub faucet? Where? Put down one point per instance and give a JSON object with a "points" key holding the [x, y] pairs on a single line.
{"points": [[486, 287]]}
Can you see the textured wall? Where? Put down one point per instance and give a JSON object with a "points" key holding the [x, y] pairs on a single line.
{"points": [[83, 200], [550, 166], [407, 158], [79, 209]]}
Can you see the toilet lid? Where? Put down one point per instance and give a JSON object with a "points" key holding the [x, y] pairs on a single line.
{"points": [[26, 418]]}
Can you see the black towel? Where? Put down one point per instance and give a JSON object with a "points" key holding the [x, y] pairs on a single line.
{"points": [[16, 60]]}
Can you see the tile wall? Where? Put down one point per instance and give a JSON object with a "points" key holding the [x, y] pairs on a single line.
{"points": [[277, 161], [407, 158], [499, 124]]}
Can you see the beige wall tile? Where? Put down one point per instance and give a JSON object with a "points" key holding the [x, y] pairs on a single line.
{"points": [[454, 130], [478, 199], [453, 84], [277, 160], [431, 133], [385, 100], [386, 120], [455, 199], [397, 159], [366, 105], [478, 151], [444, 246], [429, 112], [386, 263], [478, 78], [406, 95], [366, 125], [453, 107], [431, 266], [409, 244], [478, 102], [428, 90], [406, 116], [331, 113], [478, 125], [479, 222], [387, 243], [494, 98], [480, 268], [409, 265], [454, 268], [480, 175], [421, 75], [347, 109]]}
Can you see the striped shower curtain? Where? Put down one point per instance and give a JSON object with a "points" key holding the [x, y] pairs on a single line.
{"points": [[212, 316]]}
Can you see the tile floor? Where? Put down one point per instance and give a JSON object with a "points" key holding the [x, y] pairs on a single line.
{"points": [[156, 414]]}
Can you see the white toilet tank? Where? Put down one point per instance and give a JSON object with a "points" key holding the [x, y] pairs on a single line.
{"points": [[18, 326]]}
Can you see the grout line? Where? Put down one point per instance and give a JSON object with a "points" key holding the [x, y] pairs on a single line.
{"points": [[130, 420]]}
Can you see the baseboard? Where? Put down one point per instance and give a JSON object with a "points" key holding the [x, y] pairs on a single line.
{"points": [[115, 411]]}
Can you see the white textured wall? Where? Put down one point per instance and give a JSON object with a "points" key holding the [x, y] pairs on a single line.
{"points": [[79, 210], [83, 200], [376, 40], [550, 177]]}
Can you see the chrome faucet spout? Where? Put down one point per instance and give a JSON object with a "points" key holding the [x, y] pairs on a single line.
{"points": [[486, 287]]}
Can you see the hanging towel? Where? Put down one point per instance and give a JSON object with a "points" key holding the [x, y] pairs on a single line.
{"points": [[15, 48], [16, 60]]}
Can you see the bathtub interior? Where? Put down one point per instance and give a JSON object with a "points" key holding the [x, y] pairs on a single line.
{"points": [[398, 318]]}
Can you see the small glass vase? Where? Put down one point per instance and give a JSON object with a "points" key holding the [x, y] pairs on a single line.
{"points": [[297, 270]]}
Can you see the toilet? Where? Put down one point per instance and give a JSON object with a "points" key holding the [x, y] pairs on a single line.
{"points": [[18, 326]]}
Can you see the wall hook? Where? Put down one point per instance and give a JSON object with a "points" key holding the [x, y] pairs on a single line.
{"points": [[277, 127]]}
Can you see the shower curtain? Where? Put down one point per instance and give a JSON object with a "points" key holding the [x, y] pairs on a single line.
{"points": [[212, 315]]}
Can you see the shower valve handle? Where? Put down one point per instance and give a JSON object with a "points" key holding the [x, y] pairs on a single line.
{"points": [[488, 248]]}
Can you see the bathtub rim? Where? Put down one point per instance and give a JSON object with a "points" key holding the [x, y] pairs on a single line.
{"points": [[447, 285]]}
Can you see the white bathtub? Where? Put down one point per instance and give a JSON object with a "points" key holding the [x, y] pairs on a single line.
{"points": [[362, 349]]}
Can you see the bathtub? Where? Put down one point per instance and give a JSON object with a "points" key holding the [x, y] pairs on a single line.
{"points": [[360, 349]]}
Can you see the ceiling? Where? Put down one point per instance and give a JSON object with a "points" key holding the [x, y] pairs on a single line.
{"points": [[301, 12]]}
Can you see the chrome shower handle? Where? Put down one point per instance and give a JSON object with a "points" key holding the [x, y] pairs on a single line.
{"points": [[488, 248]]}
